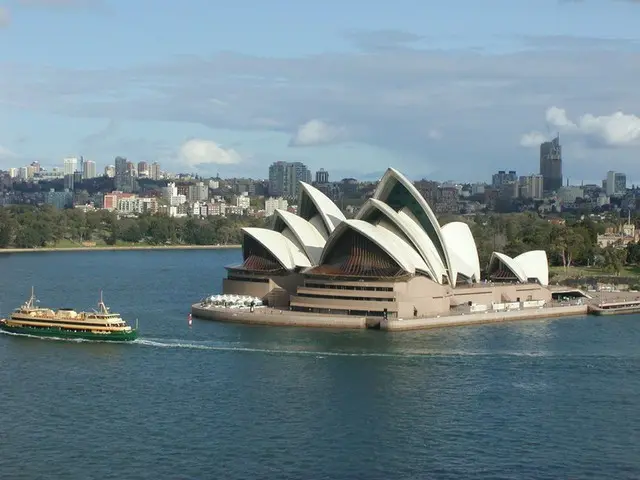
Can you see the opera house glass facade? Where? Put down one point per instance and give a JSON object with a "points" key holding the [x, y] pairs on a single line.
{"points": [[393, 259]]}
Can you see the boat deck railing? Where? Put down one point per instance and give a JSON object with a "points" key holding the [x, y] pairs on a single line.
{"points": [[612, 305]]}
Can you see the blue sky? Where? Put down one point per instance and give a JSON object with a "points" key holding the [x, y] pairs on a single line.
{"points": [[443, 90]]}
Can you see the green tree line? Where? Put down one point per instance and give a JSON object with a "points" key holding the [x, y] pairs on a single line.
{"points": [[45, 226], [573, 243]]}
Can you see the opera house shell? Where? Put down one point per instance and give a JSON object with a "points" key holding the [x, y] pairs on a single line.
{"points": [[393, 259]]}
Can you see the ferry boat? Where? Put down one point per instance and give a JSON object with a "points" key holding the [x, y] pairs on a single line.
{"points": [[99, 324], [615, 308]]}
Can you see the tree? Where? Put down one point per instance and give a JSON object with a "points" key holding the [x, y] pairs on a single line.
{"points": [[567, 243], [614, 258], [7, 228], [633, 253], [130, 232]]}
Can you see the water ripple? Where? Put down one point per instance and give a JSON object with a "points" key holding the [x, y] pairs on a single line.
{"points": [[530, 400]]}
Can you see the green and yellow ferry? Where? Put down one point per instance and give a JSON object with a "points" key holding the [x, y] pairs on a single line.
{"points": [[99, 324]]}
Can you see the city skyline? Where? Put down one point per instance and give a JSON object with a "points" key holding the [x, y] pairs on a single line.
{"points": [[287, 179], [376, 86]]}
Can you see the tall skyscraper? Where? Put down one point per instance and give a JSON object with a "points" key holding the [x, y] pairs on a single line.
{"points": [[276, 178], [89, 169], [285, 178], [620, 182], [70, 165], [155, 171], [616, 183], [295, 173], [551, 164], [123, 178]]}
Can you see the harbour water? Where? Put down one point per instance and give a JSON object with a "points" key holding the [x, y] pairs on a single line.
{"points": [[541, 399]]}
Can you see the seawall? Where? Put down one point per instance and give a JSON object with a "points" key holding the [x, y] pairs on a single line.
{"points": [[397, 325], [275, 317]]}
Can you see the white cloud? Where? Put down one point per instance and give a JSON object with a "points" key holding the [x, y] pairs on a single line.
{"points": [[316, 132], [615, 130], [383, 98], [532, 139], [5, 17], [199, 153], [557, 117]]}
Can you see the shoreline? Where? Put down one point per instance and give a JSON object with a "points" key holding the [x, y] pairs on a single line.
{"points": [[116, 247]]}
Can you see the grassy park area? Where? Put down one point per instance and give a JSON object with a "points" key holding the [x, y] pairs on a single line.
{"points": [[558, 274]]}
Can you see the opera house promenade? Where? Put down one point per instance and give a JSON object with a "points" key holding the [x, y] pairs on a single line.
{"points": [[393, 267]]}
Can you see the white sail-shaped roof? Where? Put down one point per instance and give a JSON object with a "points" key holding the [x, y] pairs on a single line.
{"points": [[288, 254], [303, 233], [315, 207], [426, 246], [534, 264], [510, 263], [375, 211], [528, 265], [398, 192], [398, 249], [459, 242]]}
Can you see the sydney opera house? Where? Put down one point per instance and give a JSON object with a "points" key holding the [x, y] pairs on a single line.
{"points": [[394, 259]]}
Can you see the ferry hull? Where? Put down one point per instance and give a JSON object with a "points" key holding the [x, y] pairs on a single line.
{"points": [[613, 311], [70, 334]]}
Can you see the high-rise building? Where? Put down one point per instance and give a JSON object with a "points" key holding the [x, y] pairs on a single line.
{"points": [[198, 192], [532, 186], [609, 184], [276, 178], [123, 178], [296, 172], [143, 169], [70, 165], [89, 169], [69, 181], [322, 176], [110, 171], [551, 164], [615, 184], [503, 177], [285, 178], [620, 182], [154, 174]]}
